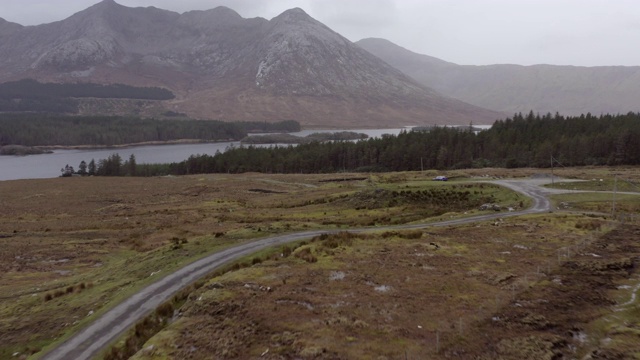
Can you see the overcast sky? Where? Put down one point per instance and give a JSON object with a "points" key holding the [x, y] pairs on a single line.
{"points": [[475, 32]]}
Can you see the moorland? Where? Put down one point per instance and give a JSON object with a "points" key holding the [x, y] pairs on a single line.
{"points": [[75, 247]]}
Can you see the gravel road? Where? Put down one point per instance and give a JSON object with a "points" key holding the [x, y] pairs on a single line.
{"points": [[91, 340]]}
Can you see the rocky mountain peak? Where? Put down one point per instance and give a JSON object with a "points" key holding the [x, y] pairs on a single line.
{"points": [[294, 17], [107, 3], [294, 14], [223, 66], [101, 8], [218, 17]]}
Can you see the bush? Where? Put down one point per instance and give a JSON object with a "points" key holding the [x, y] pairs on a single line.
{"points": [[306, 255], [286, 251], [165, 309]]}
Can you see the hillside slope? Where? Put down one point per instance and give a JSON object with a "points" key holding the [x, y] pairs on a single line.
{"points": [[570, 90]]}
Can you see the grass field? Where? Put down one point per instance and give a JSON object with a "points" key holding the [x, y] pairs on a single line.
{"points": [[73, 248]]}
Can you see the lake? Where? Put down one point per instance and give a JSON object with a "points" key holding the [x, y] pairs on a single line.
{"points": [[49, 165]]}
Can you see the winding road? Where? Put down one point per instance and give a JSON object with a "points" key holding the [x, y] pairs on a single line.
{"points": [[88, 342]]}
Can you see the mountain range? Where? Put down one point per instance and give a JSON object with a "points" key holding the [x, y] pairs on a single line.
{"points": [[569, 90], [222, 66]]}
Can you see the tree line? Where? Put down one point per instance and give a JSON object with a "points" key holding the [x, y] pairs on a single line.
{"points": [[31, 95], [51, 129], [519, 141], [32, 89], [111, 166]]}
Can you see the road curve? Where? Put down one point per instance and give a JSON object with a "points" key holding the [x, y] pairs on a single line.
{"points": [[88, 342]]}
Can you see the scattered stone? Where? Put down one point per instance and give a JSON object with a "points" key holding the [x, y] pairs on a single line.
{"points": [[564, 205], [494, 207], [215, 285], [149, 350], [337, 275]]}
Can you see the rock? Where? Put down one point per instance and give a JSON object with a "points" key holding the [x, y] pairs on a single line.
{"points": [[494, 207], [215, 285], [336, 275], [149, 350]]}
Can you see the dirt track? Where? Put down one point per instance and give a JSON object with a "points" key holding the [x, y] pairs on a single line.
{"points": [[87, 343]]}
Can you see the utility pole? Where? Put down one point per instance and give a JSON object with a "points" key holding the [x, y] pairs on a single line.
{"points": [[615, 189], [551, 169]]}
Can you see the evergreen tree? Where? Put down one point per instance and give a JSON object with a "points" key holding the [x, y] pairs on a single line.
{"points": [[82, 168], [92, 168], [131, 165]]}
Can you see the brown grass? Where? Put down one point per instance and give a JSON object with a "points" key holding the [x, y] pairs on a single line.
{"points": [[393, 295], [114, 235]]}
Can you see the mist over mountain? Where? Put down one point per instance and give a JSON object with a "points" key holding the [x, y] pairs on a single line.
{"points": [[222, 66], [570, 90]]}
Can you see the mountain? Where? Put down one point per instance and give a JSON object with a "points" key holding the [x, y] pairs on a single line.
{"points": [[570, 90], [222, 66], [7, 27]]}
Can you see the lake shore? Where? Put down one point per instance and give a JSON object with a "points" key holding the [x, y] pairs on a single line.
{"points": [[124, 146]]}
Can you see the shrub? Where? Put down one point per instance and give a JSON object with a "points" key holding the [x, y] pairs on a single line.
{"points": [[165, 309], [286, 251], [306, 255]]}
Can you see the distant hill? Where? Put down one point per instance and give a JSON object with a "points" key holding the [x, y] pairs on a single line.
{"points": [[222, 66], [570, 90]]}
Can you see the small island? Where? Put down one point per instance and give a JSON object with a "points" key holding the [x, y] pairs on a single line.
{"points": [[292, 139]]}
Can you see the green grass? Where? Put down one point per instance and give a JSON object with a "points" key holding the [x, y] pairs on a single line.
{"points": [[128, 272], [601, 184], [599, 202]]}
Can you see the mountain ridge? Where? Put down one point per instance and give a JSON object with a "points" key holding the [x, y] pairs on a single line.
{"points": [[222, 66], [543, 88]]}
